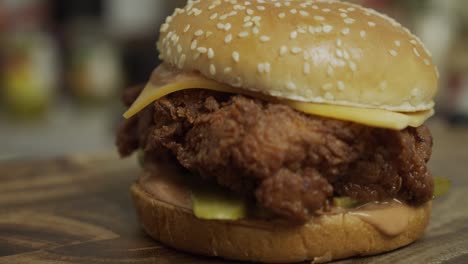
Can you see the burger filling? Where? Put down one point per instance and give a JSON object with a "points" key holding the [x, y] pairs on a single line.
{"points": [[292, 164]]}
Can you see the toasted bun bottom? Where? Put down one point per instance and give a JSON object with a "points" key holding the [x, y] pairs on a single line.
{"points": [[322, 239]]}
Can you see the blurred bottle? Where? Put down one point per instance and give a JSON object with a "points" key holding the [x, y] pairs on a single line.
{"points": [[93, 67], [29, 72], [135, 26], [94, 70], [29, 65]]}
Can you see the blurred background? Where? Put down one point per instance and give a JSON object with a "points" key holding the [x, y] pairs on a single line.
{"points": [[63, 65]]}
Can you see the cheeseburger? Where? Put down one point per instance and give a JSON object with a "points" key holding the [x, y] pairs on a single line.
{"points": [[283, 131]]}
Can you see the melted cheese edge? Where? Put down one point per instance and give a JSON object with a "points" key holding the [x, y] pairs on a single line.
{"points": [[366, 116]]}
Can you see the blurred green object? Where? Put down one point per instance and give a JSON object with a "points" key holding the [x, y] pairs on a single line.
{"points": [[28, 72], [212, 202], [441, 186], [94, 69], [345, 202]]}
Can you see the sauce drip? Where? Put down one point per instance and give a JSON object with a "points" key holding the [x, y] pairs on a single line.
{"points": [[390, 218], [165, 183]]}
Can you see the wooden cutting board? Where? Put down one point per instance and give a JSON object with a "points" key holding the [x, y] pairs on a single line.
{"points": [[78, 210]]}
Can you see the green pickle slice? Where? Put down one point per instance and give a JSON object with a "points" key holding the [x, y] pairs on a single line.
{"points": [[215, 203], [345, 202], [441, 186]]}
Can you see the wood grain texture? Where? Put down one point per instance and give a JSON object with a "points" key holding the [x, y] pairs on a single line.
{"points": [[78, 210]]}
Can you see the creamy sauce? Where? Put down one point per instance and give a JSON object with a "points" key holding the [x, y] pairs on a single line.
{"points": [[390, 218], [166, 183]]}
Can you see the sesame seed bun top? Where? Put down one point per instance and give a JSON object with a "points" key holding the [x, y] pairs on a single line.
{"points": [[313, 51]]}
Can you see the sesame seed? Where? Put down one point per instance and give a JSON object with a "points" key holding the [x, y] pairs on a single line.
{"points": [[208, 33], [227, 70], [346, 55], [187, 27], [228, 38], [397, 43], [353, 66], [255, 30], [243, 34], [281, 15], [315, 7], [227, 26], [293, 11], [327, 28], [339, 43], [212, 69], [164, 27], [260, 8], [283, 50], [193, 45], [287, 3], [182, 61], [220, 26], [239, 7], [303, 13], [340, 85], [261, 68], [247, 3], [296, 50], [235, 56], [198, 32], [306, 68], [319, 18], [196, 11], [290, 85], [427, 62], [256, 18], [179, 48], [214, 16], [248, 24], [247, 18], [416, 52], [343, 15], [351, 9], [250, 12], [393, 52], [210, 53], [196, 56], [267, 67], [371, 24], [329, 96], [202, 49], [345, 31], [414, 42], [362, 33], [327, 86], [339, 53], [293, 35], [264, 38], [211, 7], [349, 20]]}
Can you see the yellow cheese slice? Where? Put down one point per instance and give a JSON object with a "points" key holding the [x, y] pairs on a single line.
{"points": [[367, 116]]}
